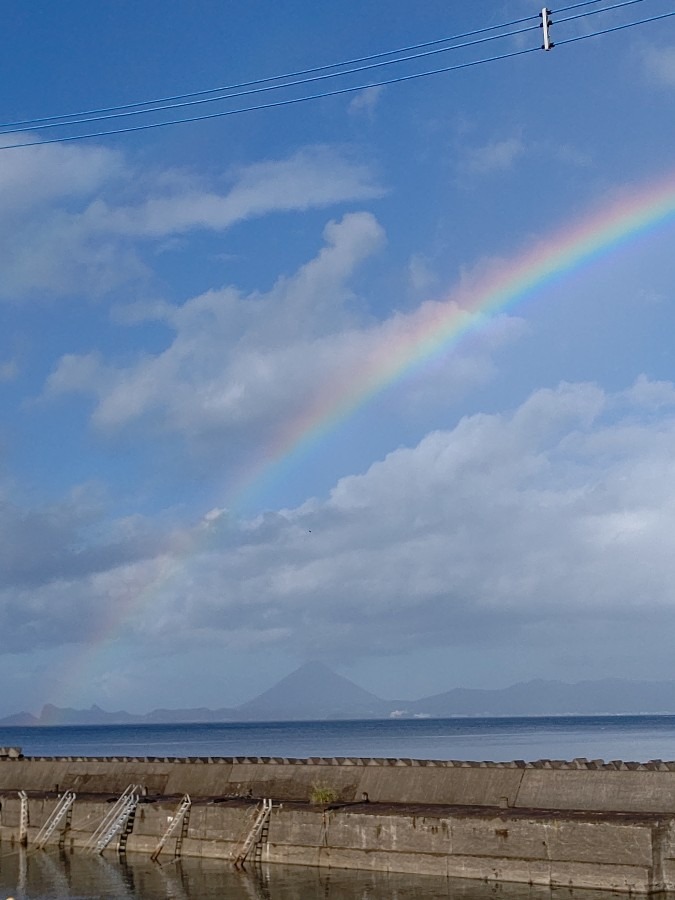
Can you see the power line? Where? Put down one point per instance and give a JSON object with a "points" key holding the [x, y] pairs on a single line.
{"points": [[583, 37], [275, 87], [199, 98], [340, 91], [274, 105], [594, 12], [283, 77], [573, 6]]}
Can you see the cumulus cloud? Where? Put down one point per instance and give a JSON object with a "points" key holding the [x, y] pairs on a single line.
{"points": [[559, 511], [241, 369], [236, 359], [562, 509], [68, 223], [312, 177], [495, 156], [45, 246], [54, 560]]}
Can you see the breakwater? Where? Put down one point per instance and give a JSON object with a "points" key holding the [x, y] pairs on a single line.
{"points": [[582, 823]]}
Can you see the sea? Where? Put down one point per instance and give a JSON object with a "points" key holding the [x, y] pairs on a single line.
{"points": [[54, 876]]}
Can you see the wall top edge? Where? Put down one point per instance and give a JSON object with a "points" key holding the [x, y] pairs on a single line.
{"points": [[13, 754]]}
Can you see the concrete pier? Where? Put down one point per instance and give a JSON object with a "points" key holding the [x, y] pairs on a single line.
{"points": [[582, 824]]}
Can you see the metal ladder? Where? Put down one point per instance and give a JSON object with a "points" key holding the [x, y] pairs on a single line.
{"points": [[23, 819], [181, 818], [119, 825], [127, 827], [262, 840], [254, 834], [115, 820], [59, 812]]}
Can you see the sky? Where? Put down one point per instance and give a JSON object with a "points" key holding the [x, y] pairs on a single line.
{"points": [[262, 401]]}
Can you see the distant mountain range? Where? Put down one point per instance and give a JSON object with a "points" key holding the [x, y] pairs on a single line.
{"points": [[315, 692]]}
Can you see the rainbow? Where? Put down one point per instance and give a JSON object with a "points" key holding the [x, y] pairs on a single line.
{"points": [[403, 344], [437, 327]]}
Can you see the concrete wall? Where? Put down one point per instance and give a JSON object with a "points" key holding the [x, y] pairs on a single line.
{"points": [[580, 784], [562, 849], [580, 823]]}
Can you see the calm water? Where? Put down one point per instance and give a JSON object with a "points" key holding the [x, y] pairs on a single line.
{"points": [[46, 876], [637, 738]]}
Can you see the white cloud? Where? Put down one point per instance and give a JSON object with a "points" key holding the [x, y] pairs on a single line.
{"points": [[556, 511], [33, 176], [312, 177], [67, 225], [365, 102], [659, 64], [9, 370], [421, 275], [495, 156], [53, 557], [242, 368], [236, 359], [559, 512]]}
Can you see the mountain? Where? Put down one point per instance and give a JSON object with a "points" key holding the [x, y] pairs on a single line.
{"points": [[553, 698], [55, 715], [20, 720], [315, 692]]}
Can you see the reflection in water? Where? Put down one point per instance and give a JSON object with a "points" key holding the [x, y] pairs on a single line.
{"points": [[40, 875]]}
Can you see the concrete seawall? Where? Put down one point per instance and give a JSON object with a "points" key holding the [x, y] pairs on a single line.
{"points": [[545, 784], [580, 823]]}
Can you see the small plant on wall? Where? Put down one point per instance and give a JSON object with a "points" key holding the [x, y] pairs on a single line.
{"points": [[320, 795]]}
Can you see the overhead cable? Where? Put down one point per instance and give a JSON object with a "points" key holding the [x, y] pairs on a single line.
{"points": [[583, 37], [594, 12], [284, 77], [272, 105], [260, 90], [335, 92], [573, 6]]}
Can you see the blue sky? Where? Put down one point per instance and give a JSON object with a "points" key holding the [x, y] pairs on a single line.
{"points": [[171, 298]]}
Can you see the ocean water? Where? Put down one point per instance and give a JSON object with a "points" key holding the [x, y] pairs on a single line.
{"points": [[635, 738]]}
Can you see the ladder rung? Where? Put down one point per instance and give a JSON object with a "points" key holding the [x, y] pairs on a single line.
{"points": [[177, 820], [58, 814], [254, 834]]}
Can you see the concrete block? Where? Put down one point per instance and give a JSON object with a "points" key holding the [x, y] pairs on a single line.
{"points": [[283, 782], [500, 869], [599, 842], [443, 785], [393, 834], [10, 811], [606, 877], [223, 823], [298, 855], [605, 791], [412, 863], [666, 875], [85, 816], [297, 827], [499, 838], [153, 819]]}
